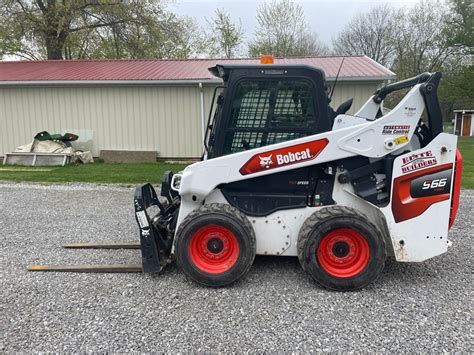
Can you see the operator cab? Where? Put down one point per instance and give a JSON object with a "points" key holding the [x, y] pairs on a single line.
{"points": [[261, 105]]}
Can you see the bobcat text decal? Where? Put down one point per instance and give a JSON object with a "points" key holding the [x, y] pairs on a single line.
{"points": [[284, 156]]}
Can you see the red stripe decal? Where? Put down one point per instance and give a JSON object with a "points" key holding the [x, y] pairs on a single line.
{"points": [[277, 158], [456, 188]]}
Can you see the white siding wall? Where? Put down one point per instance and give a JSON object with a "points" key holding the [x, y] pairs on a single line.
{"points": [[160, 118], [360, 92]]}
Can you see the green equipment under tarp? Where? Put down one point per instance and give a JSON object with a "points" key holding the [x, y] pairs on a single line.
{"points": [[46, 136]]}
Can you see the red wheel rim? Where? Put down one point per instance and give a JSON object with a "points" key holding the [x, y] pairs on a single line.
{"points": [[343, 253], [214, 249]]}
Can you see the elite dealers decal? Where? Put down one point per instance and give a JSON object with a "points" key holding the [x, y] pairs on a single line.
{"points": [[418, 161], [284, 156]]}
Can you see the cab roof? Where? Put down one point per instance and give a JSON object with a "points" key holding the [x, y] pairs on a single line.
{"points": [[255, 70]]}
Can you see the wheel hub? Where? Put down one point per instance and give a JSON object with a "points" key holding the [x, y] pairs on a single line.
{"points": [[343, 252], [340, 249], [214, 249], [215, 245]]}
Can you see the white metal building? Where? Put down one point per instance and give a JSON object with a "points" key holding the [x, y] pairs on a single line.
{"points": [[139, 105]]}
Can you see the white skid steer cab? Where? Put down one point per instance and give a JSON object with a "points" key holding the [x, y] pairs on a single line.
{"points": [[284, 174]]}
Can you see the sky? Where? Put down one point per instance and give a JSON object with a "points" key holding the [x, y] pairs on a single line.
{"points": [[326, 17]]}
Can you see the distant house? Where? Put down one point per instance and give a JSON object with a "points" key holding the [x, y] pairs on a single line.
{"points": [[463, 125], [140, 105]]}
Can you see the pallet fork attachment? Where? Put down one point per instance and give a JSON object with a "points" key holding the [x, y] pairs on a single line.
{"points": [[94, 268], [156, 235], [114, 245], [102, 268]]}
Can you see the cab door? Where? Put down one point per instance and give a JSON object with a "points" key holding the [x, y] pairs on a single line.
{"points": [[264, 110]]}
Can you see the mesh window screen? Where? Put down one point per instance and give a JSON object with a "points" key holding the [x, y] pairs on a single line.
{"points": [[267, 111], [238, 141]]}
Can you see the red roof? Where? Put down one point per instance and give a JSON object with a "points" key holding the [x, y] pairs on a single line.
{"points": [[354, 68]]}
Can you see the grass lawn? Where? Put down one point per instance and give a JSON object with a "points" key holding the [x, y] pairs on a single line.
{"points": [[138, 173], [128, 174], [466, 147]]}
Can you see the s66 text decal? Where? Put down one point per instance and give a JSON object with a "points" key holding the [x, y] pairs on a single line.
{"points": [[430, 185]]}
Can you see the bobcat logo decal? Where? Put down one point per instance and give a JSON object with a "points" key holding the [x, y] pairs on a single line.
{"points": [[265, 162], [281, 157]]}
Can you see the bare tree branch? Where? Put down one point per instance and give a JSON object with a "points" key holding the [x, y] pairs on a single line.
{"points": [[96, 25], [40, 4]]}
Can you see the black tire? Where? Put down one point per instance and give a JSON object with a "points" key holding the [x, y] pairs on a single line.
{"points": [[238, 253], [322, 244]]}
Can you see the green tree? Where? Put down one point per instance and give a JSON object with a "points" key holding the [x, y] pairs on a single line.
{"points": [[51, 22], [171, 37], [421, 39], [16, 37], [283, 31], [456, 88], [225, 36], [429, 36], [461, 24], [456, 91], [58, 29]]}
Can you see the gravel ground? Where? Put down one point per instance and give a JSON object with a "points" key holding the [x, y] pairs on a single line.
{"points": [[413, 307]]}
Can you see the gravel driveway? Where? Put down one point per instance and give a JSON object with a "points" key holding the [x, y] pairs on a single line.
{"points": [[412, 307]]}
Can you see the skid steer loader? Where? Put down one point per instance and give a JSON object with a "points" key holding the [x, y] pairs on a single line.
{"points": [[284, 174]]}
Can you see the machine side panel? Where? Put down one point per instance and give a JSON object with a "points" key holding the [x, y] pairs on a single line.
{"points": [[418, 215]]}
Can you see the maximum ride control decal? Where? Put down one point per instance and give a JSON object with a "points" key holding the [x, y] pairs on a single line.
{"points": [[277, 158], [396, 129]]}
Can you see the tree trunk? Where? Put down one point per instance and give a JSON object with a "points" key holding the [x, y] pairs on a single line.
{"points": [[55, 45], [56, 28]]}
